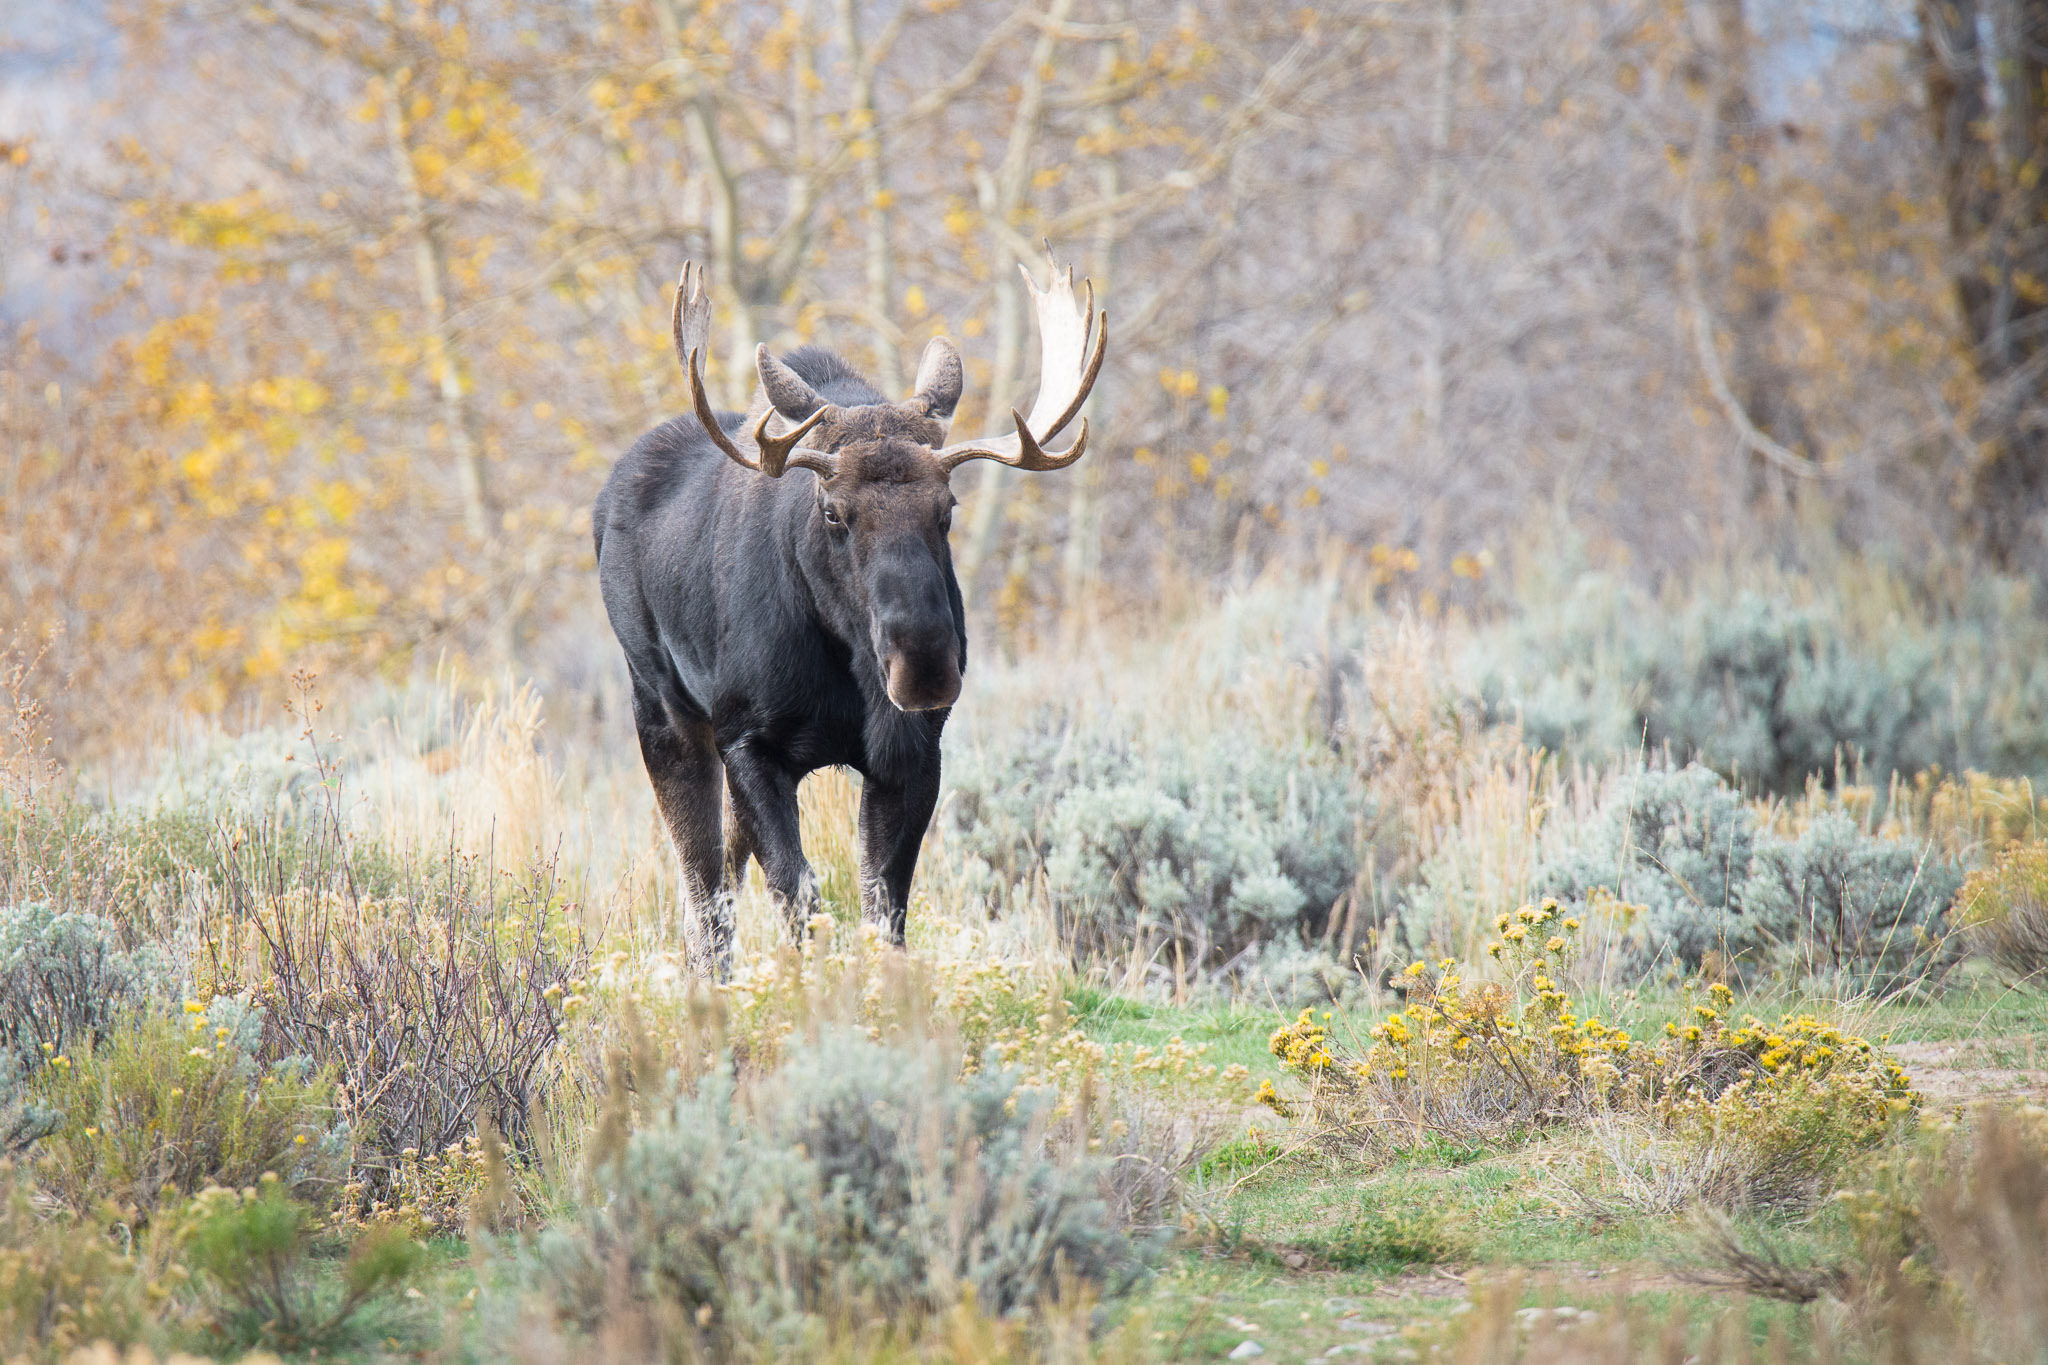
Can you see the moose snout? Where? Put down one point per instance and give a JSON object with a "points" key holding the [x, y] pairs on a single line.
{"points": [[921, 669], [913, 630]]}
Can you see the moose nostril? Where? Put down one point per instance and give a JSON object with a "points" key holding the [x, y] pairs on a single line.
{"points": [[925, 683]]}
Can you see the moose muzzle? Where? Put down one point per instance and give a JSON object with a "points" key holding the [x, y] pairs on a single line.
{"points": [[922, 679], [913, 632]]}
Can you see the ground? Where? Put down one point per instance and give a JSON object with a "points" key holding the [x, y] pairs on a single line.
{"points": [[1310, 1258]]}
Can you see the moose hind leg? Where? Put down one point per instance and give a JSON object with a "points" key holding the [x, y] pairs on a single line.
{"points": [[685, 770], [765, 818]]}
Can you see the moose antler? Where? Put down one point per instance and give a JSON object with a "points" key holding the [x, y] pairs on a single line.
{"points": [[692, 321], [777, 452], [1067, 366], [691, 325]]}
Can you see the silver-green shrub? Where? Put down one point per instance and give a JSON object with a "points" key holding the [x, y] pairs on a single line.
{"points": [[1678, 843], [856, 1181], [1773, 686], [65, 979], [250, 777], [1861, 913], [1830, 902], [1215, 843]]}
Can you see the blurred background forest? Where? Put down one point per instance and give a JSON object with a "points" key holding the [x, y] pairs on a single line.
{"points": [[323, 319]]}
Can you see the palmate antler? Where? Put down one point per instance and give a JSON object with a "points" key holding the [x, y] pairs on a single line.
{"points": [[1072, 338], [1067, 367]]}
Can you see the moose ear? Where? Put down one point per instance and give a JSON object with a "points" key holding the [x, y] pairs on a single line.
{"points": [[939, 379], [792, 397]]}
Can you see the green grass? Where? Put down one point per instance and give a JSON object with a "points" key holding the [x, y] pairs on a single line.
{"points": [[1310, 1250], [1233, 1033]]}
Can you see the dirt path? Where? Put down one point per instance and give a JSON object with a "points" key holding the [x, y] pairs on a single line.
{"points": [[1959, 1072]]}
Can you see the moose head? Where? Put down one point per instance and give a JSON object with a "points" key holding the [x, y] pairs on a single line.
{"points": [[884, 502]]}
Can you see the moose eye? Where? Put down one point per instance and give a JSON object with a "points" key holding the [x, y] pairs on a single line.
{"points": [[832, 517]]}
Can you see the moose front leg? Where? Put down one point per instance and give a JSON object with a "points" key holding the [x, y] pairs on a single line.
{"points": [[893, 819], [763, 795]]}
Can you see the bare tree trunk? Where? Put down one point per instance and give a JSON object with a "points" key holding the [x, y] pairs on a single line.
{"points": [[1436, 306], [430, 267], [880, 262], [1749, 277], [1083, 548], [1002, 196], [2019, 244], [743, 328], [1991, 172]]}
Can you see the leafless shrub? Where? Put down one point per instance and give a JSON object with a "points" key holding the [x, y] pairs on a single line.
{"points": [[437, 1002], [1735, 1263], [431, 984]]}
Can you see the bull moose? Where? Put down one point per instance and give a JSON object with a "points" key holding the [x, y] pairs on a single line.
{"points": [[776, 624]]}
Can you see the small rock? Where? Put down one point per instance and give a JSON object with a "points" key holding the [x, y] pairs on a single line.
{"points": [[1343, 1305], [1245, 1350], [1370, 1329], [1347, 1348]]}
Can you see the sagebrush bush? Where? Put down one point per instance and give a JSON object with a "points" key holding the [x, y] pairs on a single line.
{"points": [[1778, 682], [1857, 912], [1678, 844], [2004, 909], [1210, 844], [64, 1283], [251, 1253], [855, 1183], [1688, 873], [166, 1106], [65, 978]]}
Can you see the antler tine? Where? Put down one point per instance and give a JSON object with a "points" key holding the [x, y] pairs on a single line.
{"points": [[691, 322], [784, 452], [1028, 455], [691, 325], [1073, 341]]}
